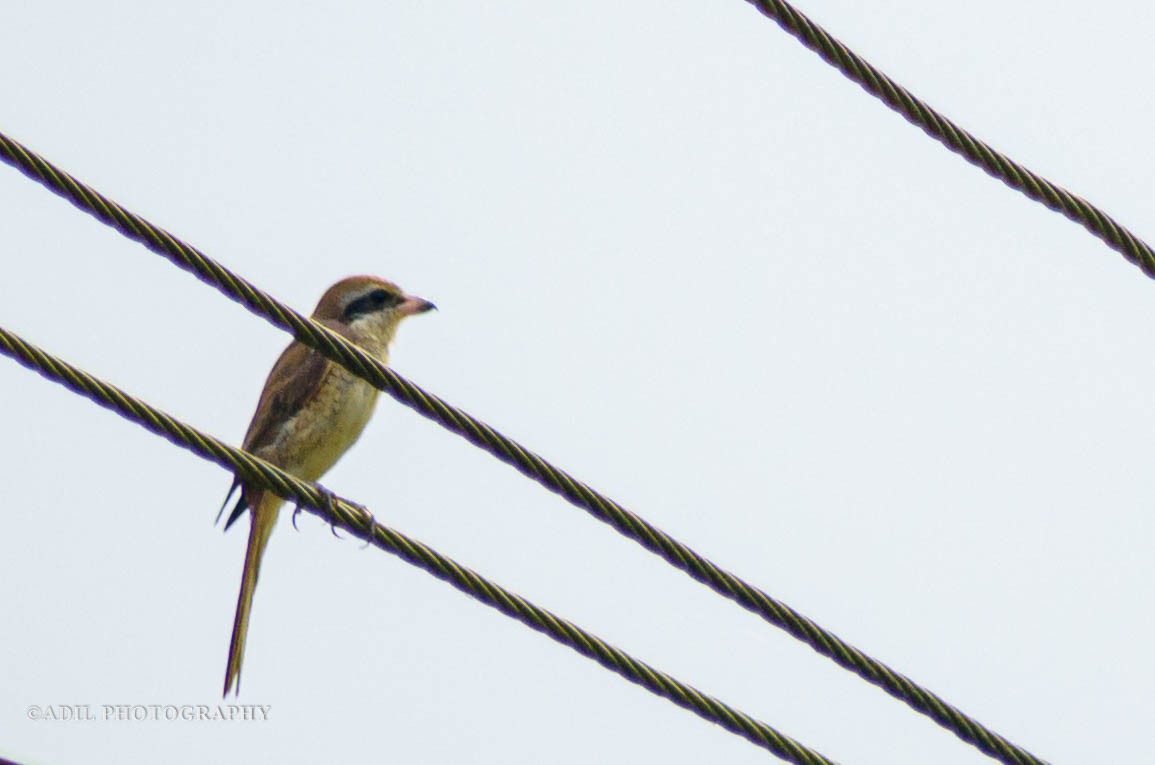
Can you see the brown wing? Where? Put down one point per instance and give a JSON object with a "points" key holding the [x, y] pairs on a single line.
{"points": [[295, 378]]}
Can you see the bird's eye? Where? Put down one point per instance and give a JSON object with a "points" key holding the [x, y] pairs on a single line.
{"points": [[372, 301]]}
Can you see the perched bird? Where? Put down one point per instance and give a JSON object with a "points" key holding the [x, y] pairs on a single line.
{"points": [[309, 413]]}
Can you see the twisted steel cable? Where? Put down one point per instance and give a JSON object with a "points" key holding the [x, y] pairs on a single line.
{"points": [[358, 521], [650, 537], [958, 140]]}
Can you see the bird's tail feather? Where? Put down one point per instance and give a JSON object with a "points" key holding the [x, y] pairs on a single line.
{"points": [[232, 489], [264, 517]]}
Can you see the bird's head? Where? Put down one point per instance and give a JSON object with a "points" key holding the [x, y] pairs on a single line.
{"points": [[370, 308]]}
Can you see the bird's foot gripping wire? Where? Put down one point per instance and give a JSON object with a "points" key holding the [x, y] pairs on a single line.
{"points": [[366, 518], [328, 501]]}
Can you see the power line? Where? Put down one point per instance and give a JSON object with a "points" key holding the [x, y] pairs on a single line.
{"points": [[674, 552], [955, 138], [357, 520]]}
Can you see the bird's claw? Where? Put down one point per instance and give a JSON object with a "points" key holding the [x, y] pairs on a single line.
{"points": [[329, 502], [367, 519]]}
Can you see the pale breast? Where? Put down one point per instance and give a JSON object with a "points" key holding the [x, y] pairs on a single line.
{"points": [[312, 441]]}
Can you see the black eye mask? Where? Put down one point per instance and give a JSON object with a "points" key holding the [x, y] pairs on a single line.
{"points": [[376, 300]]}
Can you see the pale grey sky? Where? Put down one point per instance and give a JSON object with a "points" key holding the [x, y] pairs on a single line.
{"points": [[674, 252]]}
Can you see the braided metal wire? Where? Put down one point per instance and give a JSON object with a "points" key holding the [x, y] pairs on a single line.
{"points": [[655, 540], [357, 520], [958, 140]]}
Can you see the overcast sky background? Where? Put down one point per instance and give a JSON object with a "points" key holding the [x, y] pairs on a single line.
{"points": [[675, 253]]}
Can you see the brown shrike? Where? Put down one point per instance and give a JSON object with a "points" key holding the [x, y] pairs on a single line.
{"points": [[309, 413]]}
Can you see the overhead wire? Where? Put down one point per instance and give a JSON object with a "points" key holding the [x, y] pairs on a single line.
{"points": [[359, 521], [674, 552], [955, 138]]}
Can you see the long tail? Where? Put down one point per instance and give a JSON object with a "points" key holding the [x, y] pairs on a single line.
{"points": [[264, 516]]}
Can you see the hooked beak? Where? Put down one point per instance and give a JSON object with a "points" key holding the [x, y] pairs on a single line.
{"points": [[411, 305]]}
